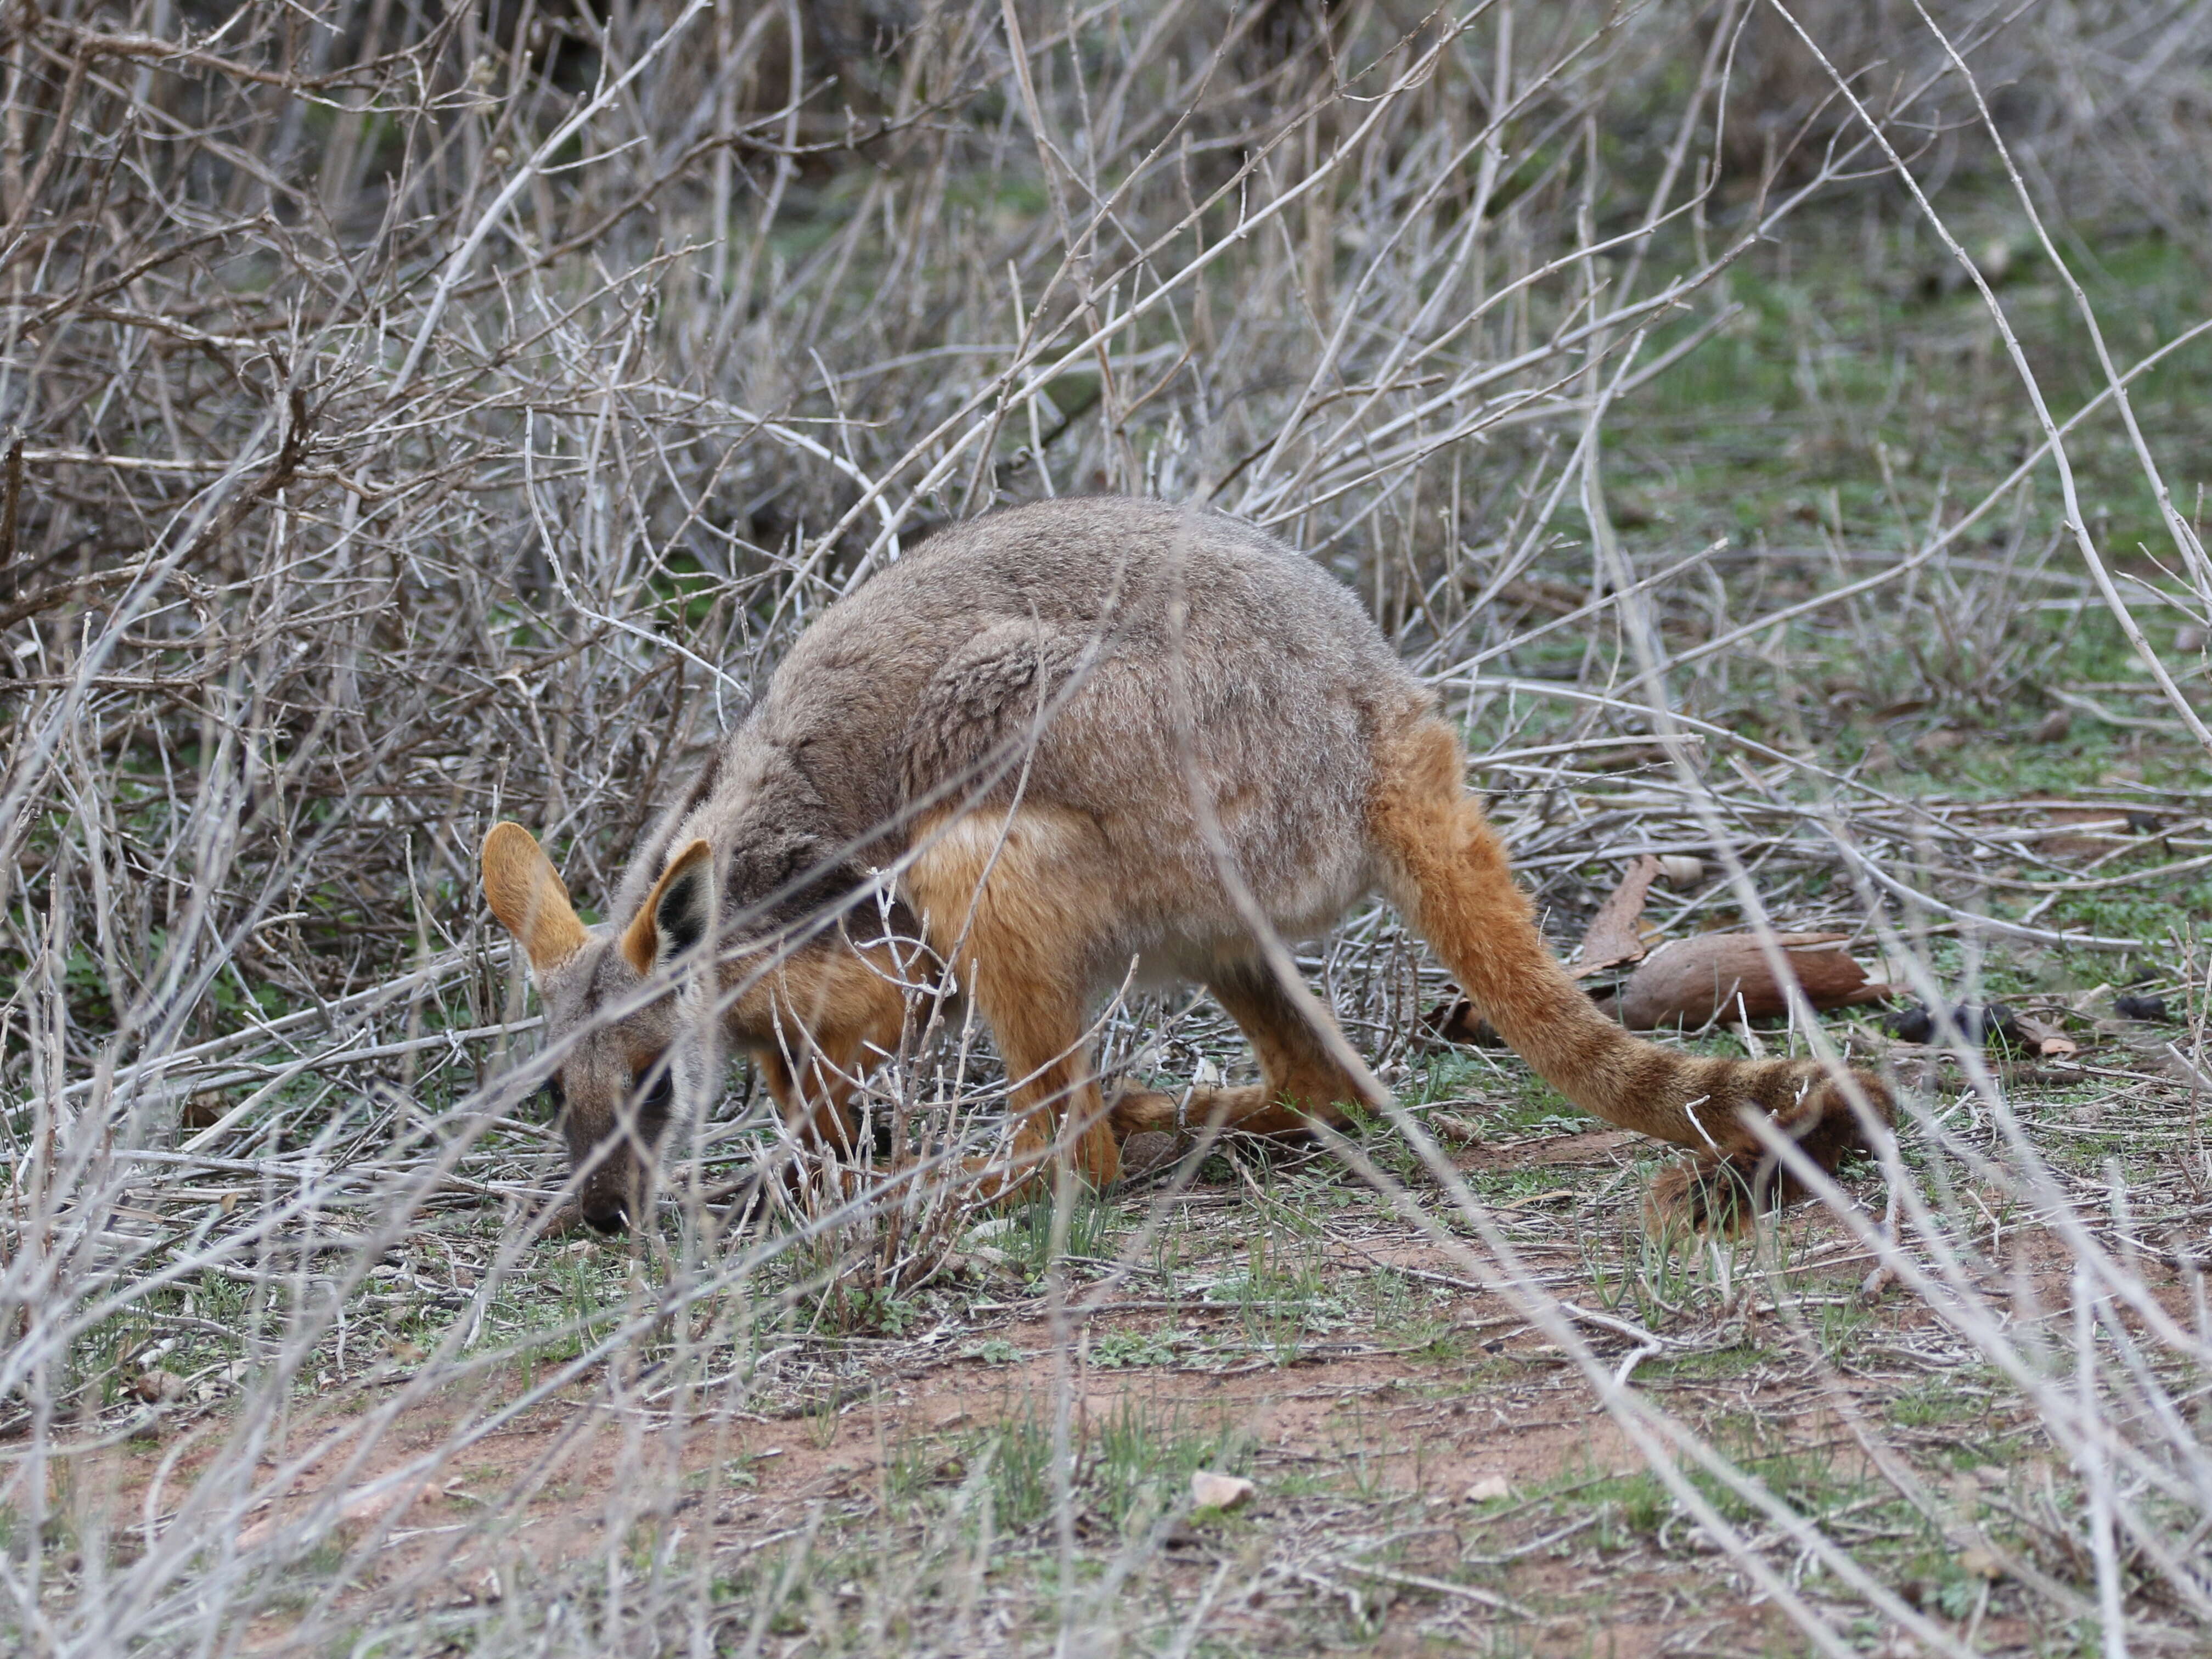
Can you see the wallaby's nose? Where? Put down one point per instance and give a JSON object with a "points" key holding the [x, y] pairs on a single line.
{"points": [[607, 1218]]}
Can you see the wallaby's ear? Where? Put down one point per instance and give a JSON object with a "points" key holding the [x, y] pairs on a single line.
{"points": [[526, 895], [677, 915]]}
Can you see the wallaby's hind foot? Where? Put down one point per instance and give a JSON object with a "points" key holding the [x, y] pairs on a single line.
{"points": [[1144, 1111], [1156, 1129], [1300, 1085], [1446, 869], [1723, 1190]]}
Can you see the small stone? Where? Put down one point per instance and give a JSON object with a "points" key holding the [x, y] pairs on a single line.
{"points": [[159, 1387], [1210, 1490], [1681, 870], [2052, 727], [1980, 1562], [1912, 1025], [1450, 1126], [1490, 1489]]}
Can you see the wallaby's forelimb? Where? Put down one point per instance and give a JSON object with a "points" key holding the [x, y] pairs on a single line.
{"points": [[1009, 900]]}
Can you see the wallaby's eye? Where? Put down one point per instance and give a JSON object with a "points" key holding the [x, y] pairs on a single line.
{"points": [[660, 1093]]}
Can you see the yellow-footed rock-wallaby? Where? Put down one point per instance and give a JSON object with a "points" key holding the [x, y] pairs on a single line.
{"points": [[1067, 737]]}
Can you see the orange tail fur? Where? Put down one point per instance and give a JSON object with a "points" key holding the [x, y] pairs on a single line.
{"points": [[1447, 871]]}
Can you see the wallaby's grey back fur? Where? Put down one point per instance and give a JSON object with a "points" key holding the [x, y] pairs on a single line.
{"points": [[1087, 653]]}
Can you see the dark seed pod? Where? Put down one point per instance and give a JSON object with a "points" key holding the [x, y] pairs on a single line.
{"points": [[1920, 1023], [2153, 1009]]}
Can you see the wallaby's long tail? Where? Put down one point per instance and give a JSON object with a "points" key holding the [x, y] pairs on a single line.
{"points": [[1446, 869]]}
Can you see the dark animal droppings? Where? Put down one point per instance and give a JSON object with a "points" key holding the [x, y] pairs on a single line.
{"points": [[1918, 1024], [1985, 1025], [1913, 1024]]}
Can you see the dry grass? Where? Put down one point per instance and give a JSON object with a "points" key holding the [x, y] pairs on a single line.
{"points": [[1772, 451]]}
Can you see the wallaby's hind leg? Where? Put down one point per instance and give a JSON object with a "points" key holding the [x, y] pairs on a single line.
{"points": [[1446, 869], [1300, 1083]]}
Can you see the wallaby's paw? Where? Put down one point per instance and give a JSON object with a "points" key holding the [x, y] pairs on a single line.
{"points": [[1828, 1128], [1708, 1193]]}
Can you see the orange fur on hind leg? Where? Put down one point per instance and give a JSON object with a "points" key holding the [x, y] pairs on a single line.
{"points": [[1300, 1083]]}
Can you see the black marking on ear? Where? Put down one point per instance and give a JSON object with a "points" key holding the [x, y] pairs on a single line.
{"points": [[680, 919]]}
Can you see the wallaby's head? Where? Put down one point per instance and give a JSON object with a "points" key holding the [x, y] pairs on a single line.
{"points": [[630, 1025]]}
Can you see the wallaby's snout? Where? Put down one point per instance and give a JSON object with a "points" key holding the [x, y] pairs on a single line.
{"points": [[616, 1088], [608, 1194], [617, 1149], [605, 1215]]}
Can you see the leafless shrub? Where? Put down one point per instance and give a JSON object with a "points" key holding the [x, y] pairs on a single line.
{"points": [[417, 419]]}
